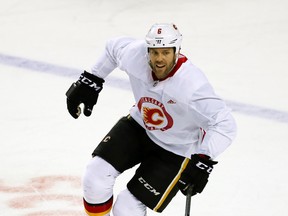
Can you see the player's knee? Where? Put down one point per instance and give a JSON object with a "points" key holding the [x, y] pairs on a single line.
{"points": [[98, 181], [127, 204]]}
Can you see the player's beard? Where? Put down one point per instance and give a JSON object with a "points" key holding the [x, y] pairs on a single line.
{"points": [[162, 72]]}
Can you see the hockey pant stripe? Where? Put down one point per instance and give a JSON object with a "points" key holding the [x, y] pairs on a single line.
{"points": [[172, 185], [98, 209]]}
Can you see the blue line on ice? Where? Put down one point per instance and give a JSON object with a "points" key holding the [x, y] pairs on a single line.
{"points": [[59, 70]]}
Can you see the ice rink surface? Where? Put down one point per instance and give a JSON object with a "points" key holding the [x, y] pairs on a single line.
{"points": [[242, 46]]}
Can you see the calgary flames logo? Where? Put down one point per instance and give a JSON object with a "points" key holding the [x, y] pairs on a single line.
{"points": [[149, 116], [154, 114]]}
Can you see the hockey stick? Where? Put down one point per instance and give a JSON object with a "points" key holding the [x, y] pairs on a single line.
{"points": [[188, 200]]}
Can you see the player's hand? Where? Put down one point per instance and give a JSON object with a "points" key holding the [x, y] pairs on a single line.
{"points": [[86, 91], [196, 173]]}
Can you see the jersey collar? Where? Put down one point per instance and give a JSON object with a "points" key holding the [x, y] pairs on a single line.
{"points": [[182, 59]]}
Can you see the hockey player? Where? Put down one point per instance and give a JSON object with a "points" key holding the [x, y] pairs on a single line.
{"points": [[175, 130]]}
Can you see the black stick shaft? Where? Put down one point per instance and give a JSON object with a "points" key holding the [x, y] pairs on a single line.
{"points": [[188, 200]]}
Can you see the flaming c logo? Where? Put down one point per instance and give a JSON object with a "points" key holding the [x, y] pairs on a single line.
{"points": [[154, 114]]}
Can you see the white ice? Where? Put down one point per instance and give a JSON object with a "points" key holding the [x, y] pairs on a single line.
{"points": [[242, 46]]}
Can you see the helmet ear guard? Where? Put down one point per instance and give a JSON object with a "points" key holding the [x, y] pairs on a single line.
{"points": [[164, 35]]}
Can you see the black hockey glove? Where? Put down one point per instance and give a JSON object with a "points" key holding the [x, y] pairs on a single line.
{"points": [[196, 173], [86, 91]]}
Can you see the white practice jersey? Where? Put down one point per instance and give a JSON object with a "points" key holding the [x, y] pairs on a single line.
{"points": [[181, 113]]}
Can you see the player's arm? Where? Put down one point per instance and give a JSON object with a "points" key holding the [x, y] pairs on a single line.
{"points": [[111, 58], [214, 117], [86, 90]]}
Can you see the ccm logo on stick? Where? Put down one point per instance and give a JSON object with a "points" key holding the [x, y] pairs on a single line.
{"points": [[148, 186]]}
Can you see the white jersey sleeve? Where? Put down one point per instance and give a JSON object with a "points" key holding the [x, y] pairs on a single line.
{"points": [[213, 116], [111, 57]]}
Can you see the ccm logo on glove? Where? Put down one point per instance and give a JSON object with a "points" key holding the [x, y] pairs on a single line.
{"points": [[90, 83], [203, 166]]}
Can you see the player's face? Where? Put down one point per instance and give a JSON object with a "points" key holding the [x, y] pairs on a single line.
{"points": [[162, 61]]}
